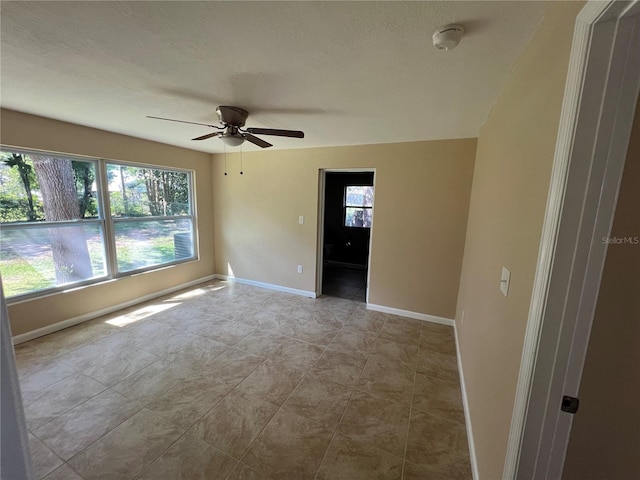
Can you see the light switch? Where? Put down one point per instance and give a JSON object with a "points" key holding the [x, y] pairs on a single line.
{"points": [[299, 268], [301, 219], [504, 281]]}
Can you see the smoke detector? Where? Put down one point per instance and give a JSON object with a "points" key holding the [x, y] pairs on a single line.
{"points": [[448, 37]]}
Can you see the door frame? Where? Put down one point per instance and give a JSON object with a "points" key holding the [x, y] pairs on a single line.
{"points": [[15, 461], [597, 113], [322, 178]]}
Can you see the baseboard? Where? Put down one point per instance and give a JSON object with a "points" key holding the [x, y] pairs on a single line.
{"points": [[467, 414], [269, 286], [410, 314], [40, 332]]}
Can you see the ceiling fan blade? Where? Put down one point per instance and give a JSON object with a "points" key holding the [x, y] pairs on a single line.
{"points": [[279, 133], [256, 140], [184, 121], [209, 135]]}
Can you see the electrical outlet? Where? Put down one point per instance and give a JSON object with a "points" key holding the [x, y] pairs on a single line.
{"points": [[299, 268], [301, 219]]}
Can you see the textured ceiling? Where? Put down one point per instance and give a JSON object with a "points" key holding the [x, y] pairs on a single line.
{"points": [[346, 73]]}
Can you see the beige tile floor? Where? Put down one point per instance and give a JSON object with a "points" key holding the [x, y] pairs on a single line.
{"points": [[236, 382]]}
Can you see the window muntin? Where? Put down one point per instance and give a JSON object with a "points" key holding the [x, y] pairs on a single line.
{"points": [[358, 206], [53, 233]]}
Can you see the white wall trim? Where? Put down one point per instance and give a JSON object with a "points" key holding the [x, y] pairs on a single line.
{"points": [[467, 412], [269, 286], [407, 313], [550, 228], [322, 182], [25, 337]]}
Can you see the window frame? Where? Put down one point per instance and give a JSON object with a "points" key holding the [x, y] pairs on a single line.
{"points": [[346, 205], [112, 220], [106, 221]]}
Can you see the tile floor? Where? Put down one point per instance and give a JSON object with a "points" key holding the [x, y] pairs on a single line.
{"points": [[235, 382], [344, 282]]}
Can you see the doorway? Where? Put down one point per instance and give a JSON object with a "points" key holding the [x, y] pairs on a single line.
{"points": [[346, 221]]}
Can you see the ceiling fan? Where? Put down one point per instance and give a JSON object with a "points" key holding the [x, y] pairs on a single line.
{"points": [[231, 131]]}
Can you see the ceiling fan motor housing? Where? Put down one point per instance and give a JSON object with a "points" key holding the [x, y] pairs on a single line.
{"points": [[232, 115]]}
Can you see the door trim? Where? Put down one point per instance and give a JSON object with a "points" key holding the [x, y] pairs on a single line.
{"points": [[597, 112], [16, 456]]}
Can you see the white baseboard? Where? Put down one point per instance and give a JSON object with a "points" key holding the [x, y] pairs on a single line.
{"points": [[467, 413], [410, 314], [25, 337], [269, 286]]}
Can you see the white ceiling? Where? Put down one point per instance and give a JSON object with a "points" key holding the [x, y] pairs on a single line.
{"points": [[346, 73]]}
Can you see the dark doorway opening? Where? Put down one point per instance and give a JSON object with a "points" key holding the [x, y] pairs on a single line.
{"points": [[348, 213]]}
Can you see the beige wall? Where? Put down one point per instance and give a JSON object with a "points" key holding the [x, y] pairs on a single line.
{"points": [[605, 436], [420, 212], [511, 180], [27, 131]]}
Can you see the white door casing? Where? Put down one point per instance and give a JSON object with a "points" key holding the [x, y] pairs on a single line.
{"points": [[597, 113], [15, 459]]}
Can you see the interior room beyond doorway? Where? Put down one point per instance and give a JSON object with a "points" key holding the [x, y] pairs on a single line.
{"points": [[348, 216]]}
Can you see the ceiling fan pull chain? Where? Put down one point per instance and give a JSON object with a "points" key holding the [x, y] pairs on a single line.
{"points": [[241, 172], [225, 160]]}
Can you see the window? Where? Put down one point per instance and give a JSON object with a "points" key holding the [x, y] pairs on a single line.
{"points": [[358, 203], [151, 213], [54, 231]]}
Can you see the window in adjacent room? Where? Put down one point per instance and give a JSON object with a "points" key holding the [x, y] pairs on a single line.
{"points": [[358, 204], [54, 232]]}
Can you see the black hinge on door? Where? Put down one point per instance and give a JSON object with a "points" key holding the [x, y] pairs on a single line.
{"points": [[570, 404]]}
